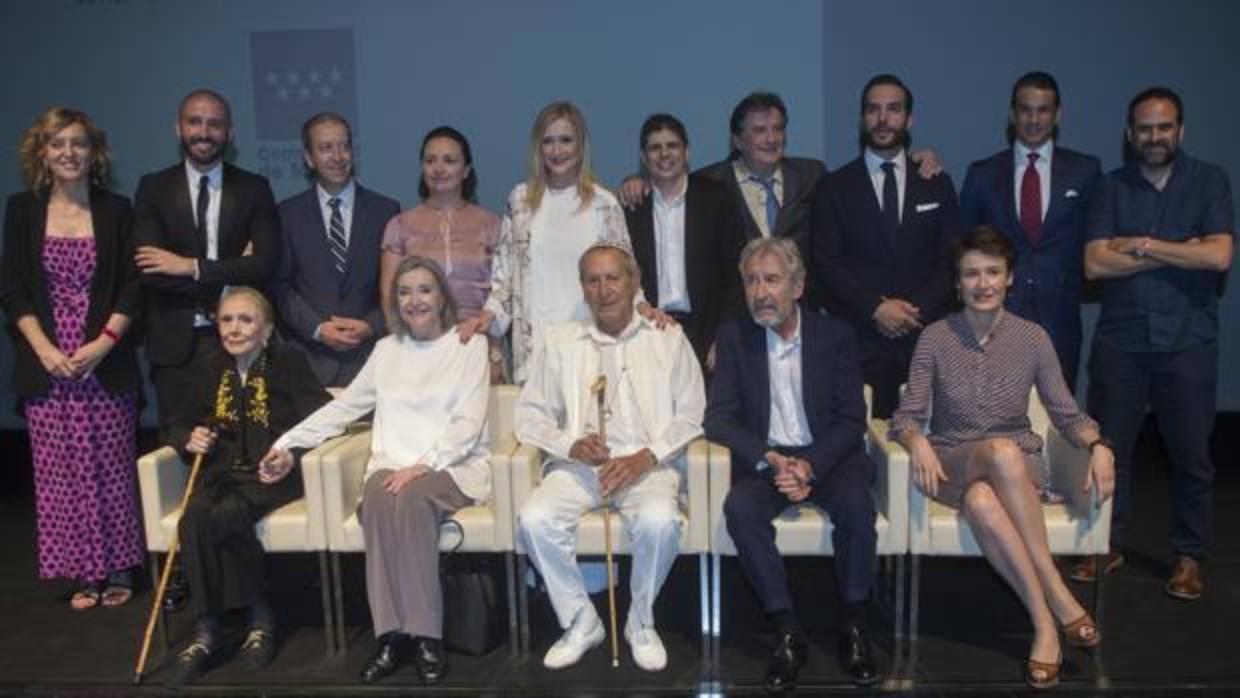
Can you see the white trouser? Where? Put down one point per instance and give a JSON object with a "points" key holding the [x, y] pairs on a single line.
{"points": [[651, 519]]}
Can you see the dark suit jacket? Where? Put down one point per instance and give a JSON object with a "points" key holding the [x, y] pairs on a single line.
{"points": [[801, 179], [164, 218], [712, 249], [293, 393], [114, 288], [307, 289], [860, 262], [1047, 284], [738, 411]]}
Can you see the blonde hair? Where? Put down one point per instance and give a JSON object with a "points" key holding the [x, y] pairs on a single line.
{"points": [[536, 175], [45, 127], [447, 312]]}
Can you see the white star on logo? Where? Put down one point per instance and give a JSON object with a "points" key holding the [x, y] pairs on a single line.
{"points": [[283, 93], [325, 91], [273, 79], [314, 76], [335, 75], [293, 77], [304, 92]]}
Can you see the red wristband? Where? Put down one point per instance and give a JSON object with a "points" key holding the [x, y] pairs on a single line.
{"points": [[107, 332]]}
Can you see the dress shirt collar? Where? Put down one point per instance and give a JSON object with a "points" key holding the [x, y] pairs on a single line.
{"points": [[742, 172], [775, 341], [675, 201], [1044, 151], [346, 195], [591, 330], [874, 162], [215, 176], [960, 323]]}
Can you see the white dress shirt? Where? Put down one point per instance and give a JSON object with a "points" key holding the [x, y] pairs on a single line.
{"points": [[346, 197], [755, 194], [655, 391], [1020, 158], [789, 423], [874, 165], [669, 240], [430, 404], [215, 188]]}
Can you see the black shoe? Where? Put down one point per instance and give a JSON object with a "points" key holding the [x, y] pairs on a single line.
{"points": [[386, 659], [430, 659], [785, 664], [259, 648], [857, 658], [191, 663], [176, 594]]}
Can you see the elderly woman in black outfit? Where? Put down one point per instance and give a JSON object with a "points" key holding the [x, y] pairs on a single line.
{"points": [[257, 390], [69, 290]]}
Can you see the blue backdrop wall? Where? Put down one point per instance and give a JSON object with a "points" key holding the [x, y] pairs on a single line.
{"points": [[487, 66]]}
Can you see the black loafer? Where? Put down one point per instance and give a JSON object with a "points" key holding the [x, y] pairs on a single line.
{"points": [[176, 594], [258, 649], [387, 659], [430, 659], [857, 658], [785, 663], [191, 663]]}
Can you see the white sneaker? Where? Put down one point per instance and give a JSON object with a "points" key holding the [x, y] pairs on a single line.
{"points": [[648, 651], [585, 633]]}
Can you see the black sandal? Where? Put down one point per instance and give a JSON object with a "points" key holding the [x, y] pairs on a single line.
{"points": [[119, 589]]}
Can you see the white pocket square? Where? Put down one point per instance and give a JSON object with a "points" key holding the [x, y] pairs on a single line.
{"points": [[1071, 194], [922, 208]]}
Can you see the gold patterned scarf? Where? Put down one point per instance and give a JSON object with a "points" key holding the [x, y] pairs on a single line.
{"points": [[227, 408]]}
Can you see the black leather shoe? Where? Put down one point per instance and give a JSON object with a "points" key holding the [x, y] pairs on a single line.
{"points": [[176, 594], [386, 659], [191, 663], [259, 648], [430, 659], [857, 658], [785, 664]]}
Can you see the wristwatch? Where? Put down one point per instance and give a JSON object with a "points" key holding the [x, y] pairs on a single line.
{"points": [[497, 356]]}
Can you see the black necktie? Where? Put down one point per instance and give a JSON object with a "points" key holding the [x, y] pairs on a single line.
{"points": [[204, 202], [891, 200]]}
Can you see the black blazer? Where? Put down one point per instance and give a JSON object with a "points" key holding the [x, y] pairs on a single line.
{"points": [[712, 249], [738, 411], [293, 394], [114, 288], [860, 262], [164, 218], [307, 289], [801, 179]]}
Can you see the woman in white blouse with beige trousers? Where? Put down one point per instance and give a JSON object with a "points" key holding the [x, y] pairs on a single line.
{"points": [[429, 395]]}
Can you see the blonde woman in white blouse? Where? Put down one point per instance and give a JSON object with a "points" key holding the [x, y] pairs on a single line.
{"points": [[552, 217], [429, 393]]}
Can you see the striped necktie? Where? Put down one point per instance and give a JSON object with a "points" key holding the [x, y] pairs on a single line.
{"points": [[335, 235]]}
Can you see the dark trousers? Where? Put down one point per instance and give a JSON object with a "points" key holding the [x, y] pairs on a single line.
{"points": [[174, 383], [221, 555], [752, 505], [1179, 387], [884, 367]]}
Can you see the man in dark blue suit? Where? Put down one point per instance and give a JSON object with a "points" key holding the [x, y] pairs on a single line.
{"points": [[882, 241], [787, 400], [327, 284], [1037, 194]]}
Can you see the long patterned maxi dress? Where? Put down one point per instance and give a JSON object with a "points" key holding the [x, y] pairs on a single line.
{"points": [[82, 442]]}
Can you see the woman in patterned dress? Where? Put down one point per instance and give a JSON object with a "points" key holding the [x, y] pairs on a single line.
{"points": [[69, 289], [975, 368], [551, 219], [449, 227]]}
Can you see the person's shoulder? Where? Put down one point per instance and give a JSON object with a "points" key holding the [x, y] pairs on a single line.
{"points": [[716, 171], [1076, 157], [20, 200], [850, 170], [1203, 170], [806, 165], [992, 161], [300, 199], [371, 198], [825, 325], [244, 179], [481, 213], [604, 198]]}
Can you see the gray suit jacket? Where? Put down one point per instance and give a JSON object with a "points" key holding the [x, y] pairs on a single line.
{"points": [[307, 289]]}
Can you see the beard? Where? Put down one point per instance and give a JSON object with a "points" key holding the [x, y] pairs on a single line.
{"points": [[187, 148], [901, 139], [1157, 154]]}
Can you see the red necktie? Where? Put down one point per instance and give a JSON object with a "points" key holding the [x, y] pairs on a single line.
{"points": [[1031, 202]]}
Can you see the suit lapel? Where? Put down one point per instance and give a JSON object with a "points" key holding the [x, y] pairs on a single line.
{"points": [[738, 198], [644, 248], [755, 347], [183, 205], [228, 205], [1059, 178], [792, 192], [810, 365]]}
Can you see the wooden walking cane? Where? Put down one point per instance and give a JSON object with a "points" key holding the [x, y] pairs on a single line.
{"points": [[600, 389], [214, 424]]}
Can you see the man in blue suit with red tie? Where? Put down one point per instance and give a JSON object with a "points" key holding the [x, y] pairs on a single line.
{"points": [[1037, 194]]}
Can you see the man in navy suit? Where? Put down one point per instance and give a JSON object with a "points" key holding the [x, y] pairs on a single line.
{"points": [[1037, 194], [326, 287], [882, 242], [686, 238], [199, 226], [787, 400]]}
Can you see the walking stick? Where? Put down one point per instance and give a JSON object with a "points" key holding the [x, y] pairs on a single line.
{"points": [[600, 389], [215, 425]]}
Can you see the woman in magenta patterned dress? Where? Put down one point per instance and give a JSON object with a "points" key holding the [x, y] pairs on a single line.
{"points": [[70, 291], [970, 379], [448, 227]]}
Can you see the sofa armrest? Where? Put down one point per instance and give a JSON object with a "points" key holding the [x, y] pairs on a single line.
{"points": [[892, 479], [342, 469], [312, 477], [161, 480], [697, 488], [526, 473], [501, 489]]}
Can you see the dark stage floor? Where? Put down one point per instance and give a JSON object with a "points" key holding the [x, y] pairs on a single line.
{"points": [[973, 630]]}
